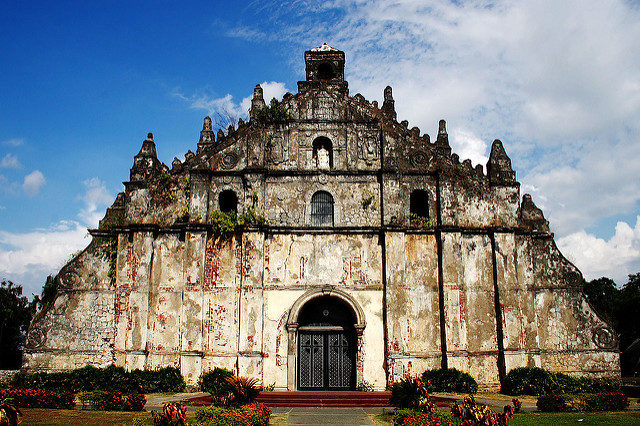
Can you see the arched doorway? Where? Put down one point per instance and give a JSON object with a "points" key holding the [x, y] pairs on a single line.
{"points": [[326, 345]]}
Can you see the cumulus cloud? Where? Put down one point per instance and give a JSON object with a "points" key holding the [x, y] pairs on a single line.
{"points": [[597, 257], [27, 258], [32, 183], [226, 109], [96, 198], [557, 82], [10, 161]]}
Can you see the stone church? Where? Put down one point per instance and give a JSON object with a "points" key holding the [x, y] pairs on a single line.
{"points": [[320, 245]]}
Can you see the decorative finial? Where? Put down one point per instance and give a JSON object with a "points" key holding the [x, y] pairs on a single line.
{"points": [[442, 127], [150, 136], [207, 123]]}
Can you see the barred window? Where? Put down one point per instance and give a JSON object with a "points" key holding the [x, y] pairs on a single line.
{"points": [[322, 209]]}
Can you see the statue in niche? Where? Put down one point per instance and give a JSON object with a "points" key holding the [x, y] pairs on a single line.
{"points": [[322, 158], [322, 153]]}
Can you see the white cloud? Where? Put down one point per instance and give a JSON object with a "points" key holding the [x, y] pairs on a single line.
{"points": [[557, 81], [27, 258], [597, 257], [10, 161], [32, 183], [225, 108], [13, 142], [468, 145], [96, 199]]}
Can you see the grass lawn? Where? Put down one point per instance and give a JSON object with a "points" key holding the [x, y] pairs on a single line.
{"points": [[45, 416], [559, 419], [552, 419]]}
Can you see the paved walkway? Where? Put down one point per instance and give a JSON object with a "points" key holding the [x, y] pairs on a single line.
{"points": [[328, 416]]}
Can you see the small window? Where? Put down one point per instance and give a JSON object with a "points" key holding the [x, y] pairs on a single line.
{"points": [[419, 203], [323, 153], [326, 71], [228, 201], [322, 209]]}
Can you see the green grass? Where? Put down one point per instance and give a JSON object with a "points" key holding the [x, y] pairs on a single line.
{"points": [[552, 419], [559, 419]]}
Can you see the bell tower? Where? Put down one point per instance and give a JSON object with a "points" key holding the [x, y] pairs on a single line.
{"points": [[324, 68]]}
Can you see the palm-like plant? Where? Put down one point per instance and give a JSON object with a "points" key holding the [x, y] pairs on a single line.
{"points": [[243, 389], [9, 414]]}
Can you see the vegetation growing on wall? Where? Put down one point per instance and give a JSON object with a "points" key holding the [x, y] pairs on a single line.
{"points": [[274, 113], [421, 221], [227, 222]]}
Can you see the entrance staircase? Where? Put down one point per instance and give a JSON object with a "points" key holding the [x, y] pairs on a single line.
{"points": [[324, 399]]}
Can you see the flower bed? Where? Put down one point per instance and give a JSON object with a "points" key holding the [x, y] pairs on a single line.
{"points": [[113, 401], [35, 398], [603, 401], [256, 414]]}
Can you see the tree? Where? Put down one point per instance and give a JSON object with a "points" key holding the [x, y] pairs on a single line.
{"points": [[620, 307], [15, 316]]}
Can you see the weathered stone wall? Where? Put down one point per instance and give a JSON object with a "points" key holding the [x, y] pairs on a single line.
{"points": [[478, 284], [78, 328]]}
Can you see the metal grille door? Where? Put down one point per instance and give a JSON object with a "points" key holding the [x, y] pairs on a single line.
{"points": [[325, 360], [321, 209], [311, 356], [340, 361]]}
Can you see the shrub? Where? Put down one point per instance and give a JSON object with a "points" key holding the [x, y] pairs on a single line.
{"points": [[528, 381], [135, 402], [243, 389], [406, 393], [9, 414], [420, 419], [253, 414], [113, 401], [173, 414], [215, 382], [537, 381], [109, 379], [473, 414], [167, 379], [365, 386], [36, 398], [449, 380], [553, 403], [605, 401]]}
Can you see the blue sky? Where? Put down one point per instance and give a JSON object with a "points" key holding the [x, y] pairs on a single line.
{"points": [[81, 84]]}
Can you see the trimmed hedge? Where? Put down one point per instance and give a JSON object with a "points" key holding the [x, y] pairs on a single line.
{"points": [[449, 380], [537, 381], [109, 379], [256, 414], [37, 398]]}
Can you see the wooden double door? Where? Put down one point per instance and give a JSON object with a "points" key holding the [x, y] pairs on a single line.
{"points": [[326, 359]]}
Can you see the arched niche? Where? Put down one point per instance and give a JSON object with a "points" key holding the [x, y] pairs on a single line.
{"points": [[314, 298]]}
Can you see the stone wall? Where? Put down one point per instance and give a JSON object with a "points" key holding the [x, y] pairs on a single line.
{"points": [[477, 284]]}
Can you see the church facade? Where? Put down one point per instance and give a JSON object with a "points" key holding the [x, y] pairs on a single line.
{"points": [[321, 245]]}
